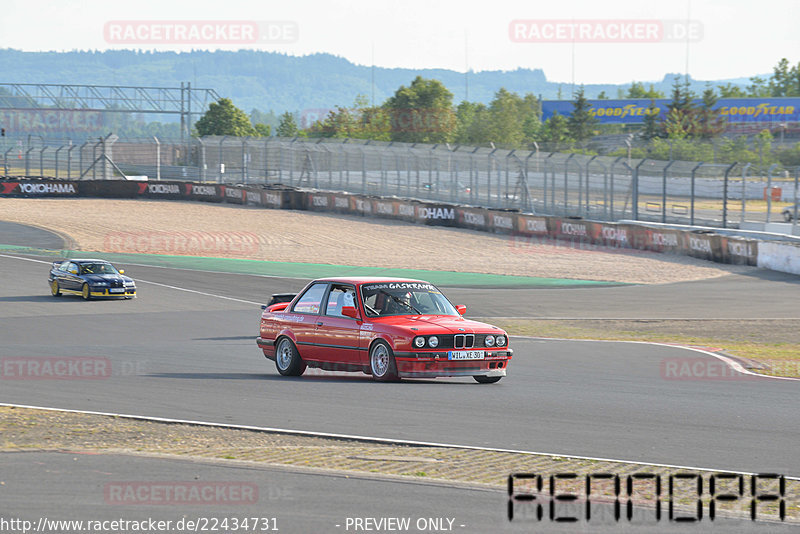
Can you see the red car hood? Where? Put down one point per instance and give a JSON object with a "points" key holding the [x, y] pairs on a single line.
{"points": [[432, 324]]}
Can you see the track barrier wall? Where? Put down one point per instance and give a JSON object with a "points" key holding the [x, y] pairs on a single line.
{"points": [[576, 232]]}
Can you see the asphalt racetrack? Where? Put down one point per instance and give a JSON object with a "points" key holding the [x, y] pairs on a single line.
{"points": [[185, 349]]}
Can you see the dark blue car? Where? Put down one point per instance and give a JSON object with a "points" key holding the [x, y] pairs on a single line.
{"points": [[90, 279]]}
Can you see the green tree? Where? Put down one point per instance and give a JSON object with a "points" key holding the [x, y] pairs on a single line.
{"points": [[263, 130], [505, 126], [731, 91], [709, 122], [637, 90], [555, 132], [287, 126], [602, 96], [421, 112], [681, 119], [223, 118], [581, 122], [652, 125]]}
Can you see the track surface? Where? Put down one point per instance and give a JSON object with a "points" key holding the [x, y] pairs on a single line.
{"points": [[301, 502], [190, 355]]}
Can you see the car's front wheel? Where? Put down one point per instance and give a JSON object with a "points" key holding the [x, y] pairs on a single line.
{"points": [[54, 289], [787, 216], [487, 379], [382, 362], [86, 292], [287, 359]]}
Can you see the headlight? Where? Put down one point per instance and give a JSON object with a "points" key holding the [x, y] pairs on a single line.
{"points": [[419, 342], [489, 341], [129, 284], [433, 342], [99, 284], [500, 341]]}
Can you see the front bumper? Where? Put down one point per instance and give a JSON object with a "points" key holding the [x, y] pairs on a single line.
{"points": [[96, 292], [433, 364]]}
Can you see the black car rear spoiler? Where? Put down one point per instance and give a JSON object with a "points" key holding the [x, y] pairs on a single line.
{"points": [[279, 297]]}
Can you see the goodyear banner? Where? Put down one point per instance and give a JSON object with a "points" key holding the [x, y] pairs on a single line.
{"points": [[634, 110]]}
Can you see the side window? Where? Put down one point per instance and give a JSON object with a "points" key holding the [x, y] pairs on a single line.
{"points": [[73, 267], [339, 297], [64, 267], [311, 300]]}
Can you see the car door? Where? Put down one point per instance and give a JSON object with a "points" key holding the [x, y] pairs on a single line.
{"points": [[303, 317], [338, 336], [70, 279]]}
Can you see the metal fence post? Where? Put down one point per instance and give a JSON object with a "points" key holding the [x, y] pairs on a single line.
{"points": [[69, 159], [664, 192], [158, 158], [202, 159], [56, 158], [768, 192], [691, 193], [635, 191], [794, 215], [744, 191], [725, 196], [244, 160], [221, 164], [566, 189]]}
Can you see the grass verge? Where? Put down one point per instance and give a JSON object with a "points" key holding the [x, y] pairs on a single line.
{"points": [[750, 340]]}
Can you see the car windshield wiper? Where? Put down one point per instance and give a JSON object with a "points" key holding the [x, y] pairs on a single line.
{"points": [[401, 301]]}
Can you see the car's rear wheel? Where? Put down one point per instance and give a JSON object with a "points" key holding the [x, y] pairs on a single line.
{"points": [[86, 292], [287, 359], [487, 379], [54, 289], [382, 362], [787, 216]]}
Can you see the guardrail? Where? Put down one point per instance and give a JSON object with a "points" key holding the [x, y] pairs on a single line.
{"points": [[526, 228]]}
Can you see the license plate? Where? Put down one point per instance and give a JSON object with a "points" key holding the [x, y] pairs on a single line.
{"points": [[465, 355], [117, 290]]}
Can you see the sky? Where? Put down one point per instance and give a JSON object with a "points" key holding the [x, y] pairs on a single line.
{"points": [[581, 41]]}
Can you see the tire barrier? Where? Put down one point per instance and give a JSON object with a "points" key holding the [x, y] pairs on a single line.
{"points": [[575, 232]]}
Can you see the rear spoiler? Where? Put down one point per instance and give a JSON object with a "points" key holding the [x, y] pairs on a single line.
{"points": [[281, 297], [278, 298]]}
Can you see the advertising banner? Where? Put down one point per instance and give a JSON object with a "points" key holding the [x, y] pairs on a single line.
{"points": [[38, 189], [634, 110]]}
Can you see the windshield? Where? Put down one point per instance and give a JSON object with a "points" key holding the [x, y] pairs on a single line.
{"points": [[404, 298], [98, 268]]}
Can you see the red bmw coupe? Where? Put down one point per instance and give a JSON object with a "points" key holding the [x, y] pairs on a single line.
{"points": [[388, 328]]}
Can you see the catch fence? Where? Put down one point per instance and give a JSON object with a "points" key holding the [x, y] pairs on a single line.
{"points": [[549, 183]]}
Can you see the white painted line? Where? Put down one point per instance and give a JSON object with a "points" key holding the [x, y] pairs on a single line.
{"points": [[198, 292], [736, 366], [387, 441]]}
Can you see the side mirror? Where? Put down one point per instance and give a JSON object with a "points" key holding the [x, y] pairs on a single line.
{"points": [[350, 311], [461, 309], [122, 271]]}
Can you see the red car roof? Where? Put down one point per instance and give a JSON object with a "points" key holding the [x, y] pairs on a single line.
{"points": [[369, 279]]}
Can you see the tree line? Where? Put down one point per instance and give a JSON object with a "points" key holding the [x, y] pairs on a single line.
{"points": [[424, 112]]}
